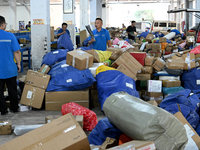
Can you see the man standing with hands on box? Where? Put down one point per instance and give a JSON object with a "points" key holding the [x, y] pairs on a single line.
{"points": [[131, 30], [9, 49], [101, 35]]}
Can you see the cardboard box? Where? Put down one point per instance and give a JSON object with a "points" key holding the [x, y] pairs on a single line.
{"points": [[188, 128], [152, 96], [189, 61], [175, 63], [135, 145], [94, 98], [149, 37], [5, 127], [148, 46], [32, 96], [143, 77], [37, 79], [80, 59], [159, 64], [44, 69], [149, 61], [138, 45], [171, 83], [55, 100], [197, 56], [169, 48], [83, 36], [126, 71], [139, 56], [162, 40], [156, 47], [153, 102], [79, 119], [94, 54], [147, 69], [52, 136], [129, 61], [154, 86], [116, 52], [155, 54], [190, 40], [191, 33], [52, 33]]}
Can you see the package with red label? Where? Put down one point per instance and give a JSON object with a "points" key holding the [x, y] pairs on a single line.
{"points": [[89, 117], [139, 56]]}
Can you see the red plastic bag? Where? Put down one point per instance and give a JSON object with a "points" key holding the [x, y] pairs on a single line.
{"points": [[89, 117], [196, 50]]}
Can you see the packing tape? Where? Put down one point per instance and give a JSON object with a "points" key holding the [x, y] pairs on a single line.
{"points": [[80, 53], [188, 61], [49, 138], [44, 69]]}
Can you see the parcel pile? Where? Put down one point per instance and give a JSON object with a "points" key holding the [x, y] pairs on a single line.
{"points": [[149, 93]]}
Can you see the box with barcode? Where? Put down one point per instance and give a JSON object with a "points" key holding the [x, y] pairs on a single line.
{"points": [[44, 69], [154, 86], [6, 127]]}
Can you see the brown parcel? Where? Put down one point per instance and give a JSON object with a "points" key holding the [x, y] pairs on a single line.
{"points": [[148, 46], [195, 136], [5, 127], [44, 69], [129, 61], [171, 83], [156, 47], [116, 52], [149, 60], [37, 79], [80, 59], [55, 100], [147, 69], [136, 145], [52, 33], [162, 40], [63, 133], [153, 102], [94, 54], [83, 35], [32, 96], [126, 71], [159, 64], [175, 63], [79, 119], [149, 37], [143, 77], [189, 61]]}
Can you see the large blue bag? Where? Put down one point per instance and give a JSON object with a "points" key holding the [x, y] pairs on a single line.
{"points": [[103, 130], [90, 47], [64, 41], [86, 41], [55, 56], [112, 81], [185, 97], [144, 34], [68, 78], [191, 79], [191, 115]]}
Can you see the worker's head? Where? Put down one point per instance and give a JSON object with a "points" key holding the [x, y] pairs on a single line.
{"points": [[169, 30], [2, 23], [64, 26], [98, 23], [29, 23], [133, 23]]}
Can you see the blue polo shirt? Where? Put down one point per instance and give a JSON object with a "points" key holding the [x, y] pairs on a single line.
{"points": [[67, 31], [8, 45], [101, 39], [176, 31]]}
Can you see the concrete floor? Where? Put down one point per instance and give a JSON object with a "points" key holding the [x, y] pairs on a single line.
{"points": [[33, 117]]}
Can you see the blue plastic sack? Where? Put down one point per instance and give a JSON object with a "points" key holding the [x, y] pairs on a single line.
{"points": [[103, 130], [90, 47], [55, 56], [112, 81], [68, 78], [185, 97], [191, 115], [86, 41], [171, 90], [144, 34], [64, 41], [198, 129], [190, 78], [176, 31]]}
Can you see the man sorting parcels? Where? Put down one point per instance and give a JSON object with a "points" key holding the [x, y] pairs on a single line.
{"points": [[101, 35], [131, 30], [9, 49]]}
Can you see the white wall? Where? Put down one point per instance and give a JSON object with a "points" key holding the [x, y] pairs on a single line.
{"points": [[23, 14]]}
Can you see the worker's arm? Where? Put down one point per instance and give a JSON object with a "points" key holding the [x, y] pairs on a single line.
{"points": [[59, 34], [17, 58], [91, 41], [109, 43]]}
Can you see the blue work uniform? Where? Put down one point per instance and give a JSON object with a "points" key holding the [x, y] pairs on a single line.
{"points": [[176, 31], [67, 31], [8, 45], [101, 39]]}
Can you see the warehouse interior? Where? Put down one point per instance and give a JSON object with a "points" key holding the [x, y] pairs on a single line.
{"points": [[100, 74]]}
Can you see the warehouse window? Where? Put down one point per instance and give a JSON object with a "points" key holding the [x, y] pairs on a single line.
{"points": [[163, 24], [156, 24], [171, 24]]}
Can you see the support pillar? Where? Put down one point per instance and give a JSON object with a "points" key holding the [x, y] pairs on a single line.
{"points": [[186, 16], [178, 17], [12, 24], [95, 10], [190, 15], [40, 31], [84, 15], [197, 7]]}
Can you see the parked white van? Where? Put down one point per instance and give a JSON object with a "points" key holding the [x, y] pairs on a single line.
{"points": [[163, 25]]}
